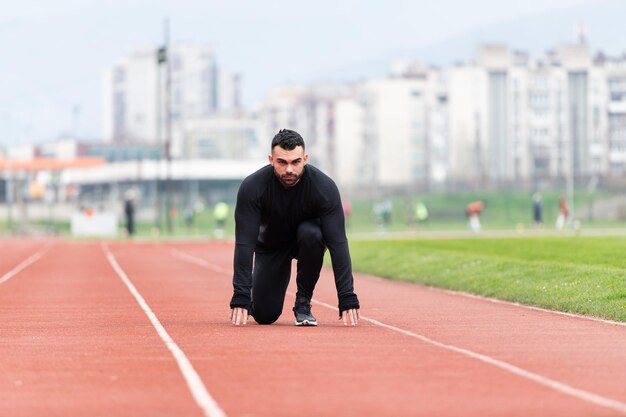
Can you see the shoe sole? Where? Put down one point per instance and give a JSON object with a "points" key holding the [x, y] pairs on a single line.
{"points": [[305, 323]]}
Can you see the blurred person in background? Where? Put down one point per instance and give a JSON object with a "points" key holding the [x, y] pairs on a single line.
{"points": [[347, 211], [421, 213], [288, 210], [473, 213], [190, 214], [563, 216], [537, 209], [220, 214], [382, 212], [129, 211]]}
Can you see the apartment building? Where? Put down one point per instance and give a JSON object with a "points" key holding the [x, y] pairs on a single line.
{"points": [[504, 117], [135, 100], [615, 70], [312, 112]]}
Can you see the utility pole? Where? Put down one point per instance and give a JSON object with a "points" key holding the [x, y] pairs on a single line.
{"points": [[168, 128], [572, 166], [161, 58]]}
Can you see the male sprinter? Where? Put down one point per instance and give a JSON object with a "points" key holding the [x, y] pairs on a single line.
{"points": [[288, 210]]}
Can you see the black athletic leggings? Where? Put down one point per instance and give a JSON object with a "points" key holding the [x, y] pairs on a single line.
{"points": [[272, 270]]}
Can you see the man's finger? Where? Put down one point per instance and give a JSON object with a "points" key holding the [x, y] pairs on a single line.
{"points": [[351, 314], [344, 316], [245, 316]]}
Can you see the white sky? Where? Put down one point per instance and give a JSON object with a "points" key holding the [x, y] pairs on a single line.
{"points": [[54, 52]]}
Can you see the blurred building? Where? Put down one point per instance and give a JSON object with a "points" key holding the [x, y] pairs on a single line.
{"points": [[393, 132], [372, 134], [504, 118], [223, 136], [135, 94], [312, 112], [615, 70], [514, 118]]}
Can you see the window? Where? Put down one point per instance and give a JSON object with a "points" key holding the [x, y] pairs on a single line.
{"points": [[119, 75]]}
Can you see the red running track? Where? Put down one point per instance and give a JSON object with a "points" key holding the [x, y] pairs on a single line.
{"points": [[142, 329]]}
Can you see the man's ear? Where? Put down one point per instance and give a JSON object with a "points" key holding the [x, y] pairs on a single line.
{"points": [[305, 159], [269, 158]]}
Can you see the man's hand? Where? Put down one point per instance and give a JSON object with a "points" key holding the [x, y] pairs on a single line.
{"points": [[238, 315], [350, 317]]}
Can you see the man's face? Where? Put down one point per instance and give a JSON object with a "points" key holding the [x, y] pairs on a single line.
{"points": [[288, 165]]}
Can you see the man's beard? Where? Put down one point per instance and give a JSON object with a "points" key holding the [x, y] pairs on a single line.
{"points": [[288, 180]]}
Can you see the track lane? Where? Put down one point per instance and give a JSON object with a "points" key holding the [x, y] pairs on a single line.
{"points": [[74, 343], [582, 353], [19, 254], [535, 400], [202, 397]]}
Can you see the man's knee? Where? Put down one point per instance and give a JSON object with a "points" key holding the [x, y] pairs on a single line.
{"points": [[265, 316], [310, 235]]}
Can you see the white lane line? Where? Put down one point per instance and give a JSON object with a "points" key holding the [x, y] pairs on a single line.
{"points": [[548, 382], [544, 310], [23, 265], [198, 390], [540, 379], [505, 302], [199, 261]]}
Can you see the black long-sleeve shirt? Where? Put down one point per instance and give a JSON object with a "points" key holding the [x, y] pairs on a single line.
{"points": [[268, 214]]}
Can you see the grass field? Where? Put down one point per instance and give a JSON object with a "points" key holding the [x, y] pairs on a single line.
{"points": [[584, 275], [505, 211]]}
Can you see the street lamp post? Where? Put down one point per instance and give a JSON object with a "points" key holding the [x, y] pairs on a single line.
{"points": [[161, 56], [168, 129], [164, 106]]}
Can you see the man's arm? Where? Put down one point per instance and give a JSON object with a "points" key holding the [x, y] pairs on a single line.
{"points": [[334, 231], [247, 221]]}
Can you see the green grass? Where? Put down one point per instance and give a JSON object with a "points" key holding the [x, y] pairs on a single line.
{"points": [[203, 226], [583, 275], [504, 211]]}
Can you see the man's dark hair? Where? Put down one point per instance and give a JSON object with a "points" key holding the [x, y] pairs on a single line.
{"points": [[287, 139]]}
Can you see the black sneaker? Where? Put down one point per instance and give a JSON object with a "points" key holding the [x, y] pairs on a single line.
{"points": [[302, 311]]}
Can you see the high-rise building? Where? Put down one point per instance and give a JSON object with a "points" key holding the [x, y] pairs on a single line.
{"points": [[513, 118], [502, 118], [616, 111], [393, 132], [136, 100], [312, 112]]}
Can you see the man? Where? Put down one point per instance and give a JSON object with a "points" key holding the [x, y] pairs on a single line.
{"points": [[473, 212], [288, 210], [561, 220], [129, 211], [220, 213], [537, 208]]}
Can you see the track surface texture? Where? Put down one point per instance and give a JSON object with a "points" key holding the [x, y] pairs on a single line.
{"points": [[142, 329]]}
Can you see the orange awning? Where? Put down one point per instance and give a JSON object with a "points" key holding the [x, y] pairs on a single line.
{"points": [[47, 164]]}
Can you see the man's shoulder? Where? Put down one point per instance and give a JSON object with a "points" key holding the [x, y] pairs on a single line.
{"points": [[260, 175], [321, 182], [318, 176]]}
